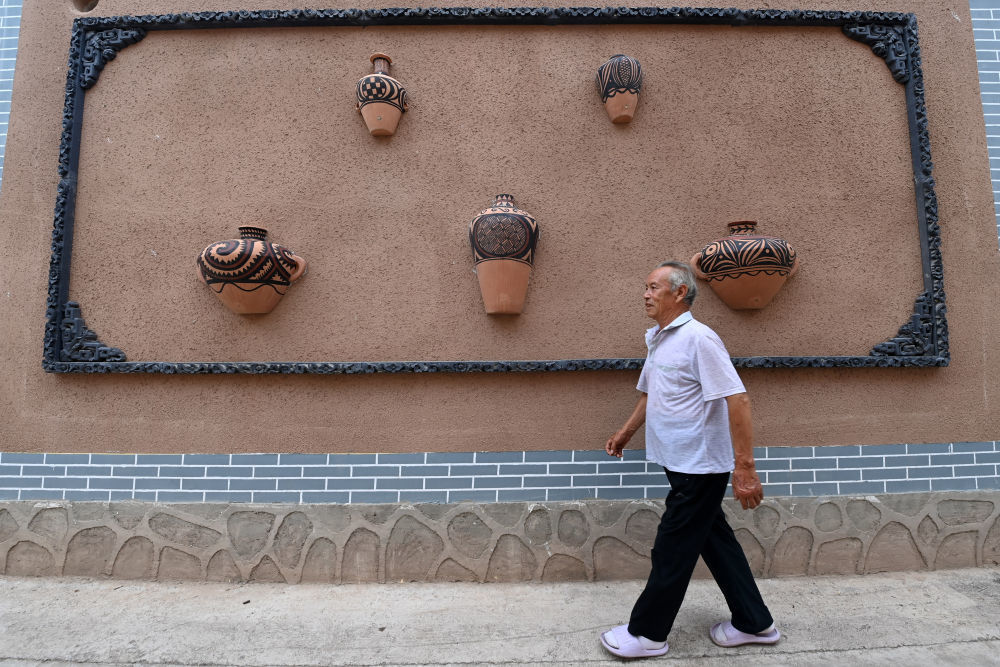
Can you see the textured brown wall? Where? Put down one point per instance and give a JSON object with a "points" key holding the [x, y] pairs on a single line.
{"points": [[189, 134]]}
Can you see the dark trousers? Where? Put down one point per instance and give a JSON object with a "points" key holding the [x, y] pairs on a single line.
{"points": [[693, 523]]}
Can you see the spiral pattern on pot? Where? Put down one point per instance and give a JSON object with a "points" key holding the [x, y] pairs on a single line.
{"points": [[248, 264], [620, 74]]}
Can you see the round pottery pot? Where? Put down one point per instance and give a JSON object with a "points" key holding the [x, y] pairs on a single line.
{"points": [[503, 239], [381, 99], [619, 81], [745, 269], [249, 274]]}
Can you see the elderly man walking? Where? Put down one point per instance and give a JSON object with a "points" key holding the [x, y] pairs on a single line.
{"points": [[697, 416]]}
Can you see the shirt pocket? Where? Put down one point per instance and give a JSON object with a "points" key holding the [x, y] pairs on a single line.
{"points": [[668, 376]]}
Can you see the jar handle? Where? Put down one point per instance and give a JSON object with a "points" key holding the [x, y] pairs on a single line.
{"points": [[695, 261], [795, 266], [300, 268]]}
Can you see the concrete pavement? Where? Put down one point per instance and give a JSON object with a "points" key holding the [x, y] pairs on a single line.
{"points": [[949, 617]]}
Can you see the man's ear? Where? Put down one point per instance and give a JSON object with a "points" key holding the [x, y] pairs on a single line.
{"points": [[682, 292]]}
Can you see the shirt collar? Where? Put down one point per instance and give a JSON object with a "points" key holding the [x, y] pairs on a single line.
{"points": [[681, 319]]}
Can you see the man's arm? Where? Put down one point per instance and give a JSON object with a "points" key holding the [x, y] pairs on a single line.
{"points": [[616, 443], [746, 483]]}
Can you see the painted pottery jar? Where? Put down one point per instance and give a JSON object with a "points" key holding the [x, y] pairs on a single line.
{"points": [[746, 269], [503, 239], [249, 274], [381, 99], [619, 81]]}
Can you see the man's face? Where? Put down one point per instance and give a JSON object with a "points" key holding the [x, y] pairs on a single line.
{"points": [[659, 300]]}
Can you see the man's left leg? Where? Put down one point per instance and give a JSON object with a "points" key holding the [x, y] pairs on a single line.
{"points": [[751, 620]]}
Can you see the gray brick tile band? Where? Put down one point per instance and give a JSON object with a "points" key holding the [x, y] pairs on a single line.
{"points": [[813, 463], [572, 468], [305, 484], [206, 459], [186, 471], [520, 495], [119, 483], [952, 459], [9, 457], [961, 484], [302, 459], [341, 483], [988, 483], [431, 471], [423, 496], [882, 450], [156, 459], [71, 458], [350, 459], [112, 459], [557, 456], [974, 446], [326, 471], [258, 459], [503, 476], [938, 448], [457, 457], [401, 458], [572, 494], [84, 471], [499, 457]]}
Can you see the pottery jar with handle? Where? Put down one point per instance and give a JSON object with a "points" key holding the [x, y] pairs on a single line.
{"points": [[381, 98], [249, 274]]}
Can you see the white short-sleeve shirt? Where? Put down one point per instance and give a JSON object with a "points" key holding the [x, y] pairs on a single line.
{"points": [[687, 376]]}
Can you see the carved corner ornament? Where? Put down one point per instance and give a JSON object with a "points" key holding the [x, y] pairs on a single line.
{"points": [[80, 343], [101, 47], [888, 43]]}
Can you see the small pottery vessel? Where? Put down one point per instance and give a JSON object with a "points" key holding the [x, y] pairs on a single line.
{"points": [[381, 99], [619, 81], [503, 239], [746, 269], [249, 274]]}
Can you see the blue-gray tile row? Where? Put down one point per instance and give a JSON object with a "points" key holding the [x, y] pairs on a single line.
{"points": [[487, 476], [10, 22], [986, 32]]}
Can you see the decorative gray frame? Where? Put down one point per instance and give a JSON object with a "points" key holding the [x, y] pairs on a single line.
{"points": [[70, 347]]}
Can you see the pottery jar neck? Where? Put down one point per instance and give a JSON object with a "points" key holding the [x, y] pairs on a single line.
{"points": [[742, 227], [258, 233], [505, 201], [381, 63]]}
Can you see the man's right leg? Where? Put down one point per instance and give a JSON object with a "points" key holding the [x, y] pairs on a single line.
{"points": [[683, 530]]}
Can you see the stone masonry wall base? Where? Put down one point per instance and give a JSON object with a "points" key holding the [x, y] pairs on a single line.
{"points": [[595, 540]]}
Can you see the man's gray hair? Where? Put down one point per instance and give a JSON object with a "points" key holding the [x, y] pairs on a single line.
{"points": [[682, 275]]}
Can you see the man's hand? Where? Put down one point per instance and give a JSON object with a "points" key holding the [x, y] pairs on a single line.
{"points": [[746, 487], [616, 443]]}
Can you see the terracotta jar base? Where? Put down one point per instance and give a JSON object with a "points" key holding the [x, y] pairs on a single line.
{"points": [[246, 298], [381, 118], [504, 284], [621, 107], [748, 292]]}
